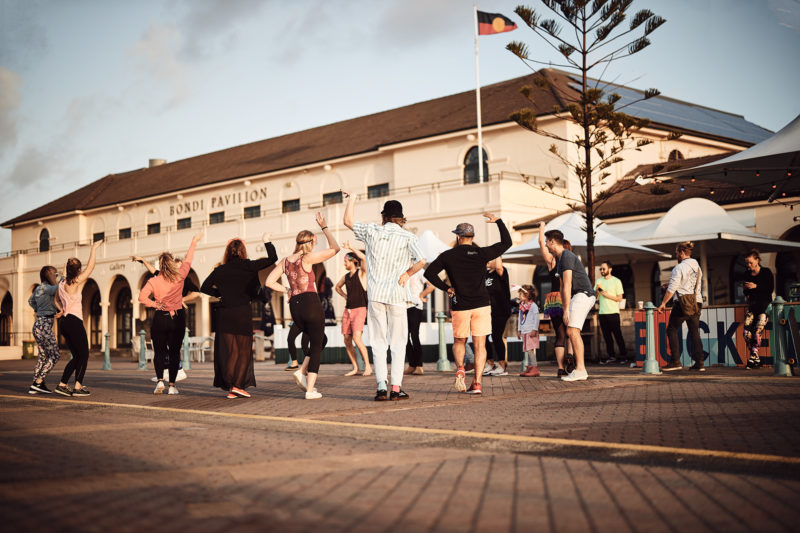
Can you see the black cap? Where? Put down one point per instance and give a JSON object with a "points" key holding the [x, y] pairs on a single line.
{"points": [[392, 209]]}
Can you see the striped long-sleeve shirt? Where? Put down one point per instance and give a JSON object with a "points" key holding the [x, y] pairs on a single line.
{"points": [[390, 251]]}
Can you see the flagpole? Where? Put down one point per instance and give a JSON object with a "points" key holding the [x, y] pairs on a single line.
{"points": [[478, 97]]}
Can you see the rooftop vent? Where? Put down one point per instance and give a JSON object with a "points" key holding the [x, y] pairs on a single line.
{"points": [[157, 162]]}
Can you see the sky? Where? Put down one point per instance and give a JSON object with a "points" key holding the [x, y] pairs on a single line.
{"points": [[94, 87]]}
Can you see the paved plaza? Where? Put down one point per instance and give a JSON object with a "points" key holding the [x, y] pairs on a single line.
{"points": [[718, 451]]}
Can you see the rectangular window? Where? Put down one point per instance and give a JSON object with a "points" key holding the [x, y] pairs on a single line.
{"points": [[291, 205], [378, 191], [254, 211], [216, 218], [99, 236], [154, 228], [332, 198], [184, 223], [124, 233]]}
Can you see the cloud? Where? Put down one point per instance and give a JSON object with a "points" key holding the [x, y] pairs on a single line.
{"points": [[416, 23], [10, 99], [22, 37], [155, 55], [31, 167], [787, 13], [207, 23]]}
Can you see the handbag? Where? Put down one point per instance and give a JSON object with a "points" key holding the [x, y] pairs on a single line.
{"points": [[688, 302]]}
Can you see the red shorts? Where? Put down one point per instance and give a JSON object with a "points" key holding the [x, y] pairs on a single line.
{"points": [[353, 320]]}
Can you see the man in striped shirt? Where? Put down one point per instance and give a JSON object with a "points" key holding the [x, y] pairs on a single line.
{"points": [[390, 251]]}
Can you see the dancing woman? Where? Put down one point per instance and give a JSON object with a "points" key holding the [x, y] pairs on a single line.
{"points": [[164, 293], [47, 309], [70, 325], [353, 288], [233, 283], [304, 303]]}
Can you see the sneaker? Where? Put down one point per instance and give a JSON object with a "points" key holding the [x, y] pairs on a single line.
{"points": [[231, 396], [700, 367], [569, 363], [498, 370], [531, 371], [381, 395], [469, 368], [753, 363], [394, 396], [460, 383], [181, 375], [561, 372], [488, 369], [83, 391], [31, 390], [672, 365], [173, 390], [301, 380], [41, 387], [240, 392], [63, 390], [159, 387], [313, 395], [609, 361], [576, 375], [474, 388]]}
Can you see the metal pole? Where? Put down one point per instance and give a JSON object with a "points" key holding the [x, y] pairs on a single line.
{"points": [[650, 364], [478, 97], [142, 352], [187, 360], [443, 365], [107, 355], [778, 339]]}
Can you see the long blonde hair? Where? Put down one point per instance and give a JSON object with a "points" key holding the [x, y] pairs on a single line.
{"points": [[168, 267], [304, 242]]}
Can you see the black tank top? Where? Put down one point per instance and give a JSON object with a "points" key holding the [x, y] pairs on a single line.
{"points": [[555, 280], [356, 295]]}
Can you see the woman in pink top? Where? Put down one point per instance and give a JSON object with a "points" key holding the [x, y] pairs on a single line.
{"points": [[164, 293], [70, 325], [304, 303]]}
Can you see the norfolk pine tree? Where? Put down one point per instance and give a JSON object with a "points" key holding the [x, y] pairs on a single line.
{"points": [[597, 36]]}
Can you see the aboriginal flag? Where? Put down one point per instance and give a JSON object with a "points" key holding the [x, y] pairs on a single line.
{"points": [[489, 23]]}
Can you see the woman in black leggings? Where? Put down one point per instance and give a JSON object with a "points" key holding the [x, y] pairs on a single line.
{"points": [[304, 303], [71, 324]]}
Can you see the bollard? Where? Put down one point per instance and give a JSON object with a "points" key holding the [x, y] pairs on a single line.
{"points": [[142, 352], [107, 355], [187, 360], [778, 339], [650, 364], [442, 365]]}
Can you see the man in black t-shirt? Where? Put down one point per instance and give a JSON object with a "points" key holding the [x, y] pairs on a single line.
{"points": [[577, 298], [499, 287], [465, 265]]}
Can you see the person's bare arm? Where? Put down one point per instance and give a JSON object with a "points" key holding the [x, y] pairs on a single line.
{"points": [[323, 255], [349, 210], [566, 293], [274, 276], [549, 259], [339, 290], [83, 276], [150, 268]]}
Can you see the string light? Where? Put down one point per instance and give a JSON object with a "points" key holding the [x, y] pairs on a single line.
{"points": [[692, 179], [741, 191], [712, 192], [758, 173], [774, 186], [683, 188]]}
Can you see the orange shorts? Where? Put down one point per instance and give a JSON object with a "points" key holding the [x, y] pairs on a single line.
{"points": [[476, 321], [353, 320]]}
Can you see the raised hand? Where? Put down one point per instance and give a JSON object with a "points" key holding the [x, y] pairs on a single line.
{"points": [[490, 217], [266, 237], [197, 237], [320, 219]]}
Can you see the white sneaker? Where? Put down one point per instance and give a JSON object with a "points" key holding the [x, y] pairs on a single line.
{"points": [[301, 380], [173, 390], [181, 375], [159, 387], [488, 370], [313, 395], [154, 379], [497, 370], [576, 375]]}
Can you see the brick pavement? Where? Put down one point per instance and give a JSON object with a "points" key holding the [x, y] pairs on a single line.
{"points": [[124, 459]]}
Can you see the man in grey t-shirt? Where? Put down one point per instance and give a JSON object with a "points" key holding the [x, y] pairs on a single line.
{"points": [[577, 298]]}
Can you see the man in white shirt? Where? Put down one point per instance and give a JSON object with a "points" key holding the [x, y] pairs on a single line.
{"points": [[686, 278]]}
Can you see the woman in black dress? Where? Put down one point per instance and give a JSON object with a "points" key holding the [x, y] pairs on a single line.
{"points": [[235, 282], [758, 285]]}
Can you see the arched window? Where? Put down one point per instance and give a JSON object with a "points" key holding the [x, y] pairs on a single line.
{"points": [[471, 166], [675, 155], [124, 315], [6, 311], [95, 316], [44, 240]]}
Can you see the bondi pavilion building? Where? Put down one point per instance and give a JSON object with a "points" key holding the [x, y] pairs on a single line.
{"points": [[425, 155]]}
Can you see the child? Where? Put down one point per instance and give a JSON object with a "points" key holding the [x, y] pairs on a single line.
{"points": [[528, 329]]}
